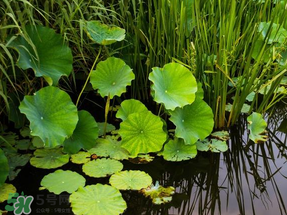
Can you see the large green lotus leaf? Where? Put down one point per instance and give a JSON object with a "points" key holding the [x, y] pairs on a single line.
{"points": [[193, 121], [176, 150], [130, 180], [142, 133], [5, 190], [278, 34], [81, 157], [173, 85], [213, 145], [110, 147], [97, 199], [130, 106], [4, 171], [158, 193], [111, 77], [104, 34], [257, 126], [85, 134], [49, 158], [62, 181], [102, 167], [109, 128], [49, 57], [52, 115]]}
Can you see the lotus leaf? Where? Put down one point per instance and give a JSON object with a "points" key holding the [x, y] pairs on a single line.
{"points": [[245, 108], [130, 180], [49, 158], [173, 85], [62, 181], [24, 144], [81, 157], [142, 133], [277, 35], [4, 171], [45, 53], [142, 159], [97, 199], [104, 34], [5, 190], [130, 106], [257, 126], [158, 193], [110, 147], [193, 121], [85, 134], [25, 132], [110, 128], [221, 135], [38, 142], [102, 167], [213, 145], [111, 77], [176, 150], [52, 115]]}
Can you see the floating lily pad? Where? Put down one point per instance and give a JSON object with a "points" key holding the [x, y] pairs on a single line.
{"points": [[49, 57], [221, 135], [52, 115], [110, 128], [158, 193], [62, 181], [130, 180], [142, 159], [173, 85], [49, 158], [142, 133], [38, 142], [81, 157], [111, 77], [5, 190], [130, 106], [104, 34], [257, 126], [102, 167], [213, 145], [193, 121], [85, 134], [4, 171], [97, 199], [110, 147], [176, 150], [25, 132]]}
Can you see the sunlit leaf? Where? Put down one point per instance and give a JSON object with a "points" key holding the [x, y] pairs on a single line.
{"points": [[221, 135], [278, 34], [81, 157], [213, 145], [5, 190], [130, 106], [257, 126]]}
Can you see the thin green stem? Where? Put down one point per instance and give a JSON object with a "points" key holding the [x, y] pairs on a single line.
{"points": [[106, 114]]}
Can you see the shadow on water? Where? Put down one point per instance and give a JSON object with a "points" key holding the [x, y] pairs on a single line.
{"points": [[248, 179]]}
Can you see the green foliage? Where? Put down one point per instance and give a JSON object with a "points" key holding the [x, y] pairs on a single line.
{"points": [[158, 193], [81, 157], [4, 167], [257, 126], [5, 191], [213, 145], [130, 106]]}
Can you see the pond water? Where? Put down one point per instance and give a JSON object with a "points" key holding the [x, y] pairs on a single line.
{"points": [[248, 179]]}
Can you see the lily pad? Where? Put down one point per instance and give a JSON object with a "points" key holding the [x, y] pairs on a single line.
{"points": [[62, 181], [142, 133], [257, 126], [110, 128], [104, 34], [5, 190], [173, 85], [49, 158], [130, 180], [221, 135], [81, 157], [111, 77], [48, 55], [130, 106], [52, 115], [158, 193], [4, 171], [193, 121], [142, 159], [213, 145], [97, 199], [176, 150], [85, 134], [110, 147], [102, 167]]}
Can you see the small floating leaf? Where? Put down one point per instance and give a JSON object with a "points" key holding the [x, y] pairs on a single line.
{"points": [[158, 193], [221, 135], [5, 190], [111, 77], [257, 126], [130, 180], [213, 145], [173, 85], [81, 157], [104, 34], [97, 199], [102, 167], [62, 181], [142, 133], [49, 158], [130, 106], [4, 170], [193, 121], [52, 115], [245, 108], [142, 159], [176, 150]]}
